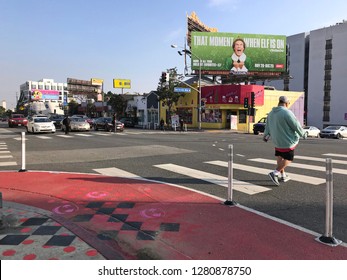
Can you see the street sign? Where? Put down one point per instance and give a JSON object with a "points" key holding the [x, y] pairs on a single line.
{"points": [[180, 89]]}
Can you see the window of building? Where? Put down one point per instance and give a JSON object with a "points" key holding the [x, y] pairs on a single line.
{"points": [[242, 116], [40, 86], [47, 87], [186, 114], [33, 86], [211, 115]]}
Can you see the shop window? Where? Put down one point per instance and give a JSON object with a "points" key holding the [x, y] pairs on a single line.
{"points": [[243, 116], [186, 114], [211, 116]]}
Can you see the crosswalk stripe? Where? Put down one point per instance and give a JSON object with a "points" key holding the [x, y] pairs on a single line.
{"points": [[6, 156], [113, 171], [263, 171], [65, 136], [4, 152], [9, 163], [303, 166], [43, 137], [241, 186], [83, 135], [335, 155], [321, 159]]}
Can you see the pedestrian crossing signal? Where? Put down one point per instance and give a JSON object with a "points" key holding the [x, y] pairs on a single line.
{"points": [[245, 102]]}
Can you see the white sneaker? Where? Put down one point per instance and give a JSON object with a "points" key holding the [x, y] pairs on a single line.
{"points": [[284, 179]]}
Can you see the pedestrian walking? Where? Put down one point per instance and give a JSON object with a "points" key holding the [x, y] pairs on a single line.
{"points": [[284, 130], [66, 123]]}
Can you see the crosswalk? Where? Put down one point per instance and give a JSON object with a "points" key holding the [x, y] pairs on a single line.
{"points": [[96, 134], [242, 186], [5, 155]]}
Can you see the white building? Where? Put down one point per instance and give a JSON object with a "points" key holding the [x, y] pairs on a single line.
{"points": [[318, 66], [45, 96]]}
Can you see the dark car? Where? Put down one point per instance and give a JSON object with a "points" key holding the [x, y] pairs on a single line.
{"points": [[57, 120], [128, 122], [17, 120], [105, 123], [259, 126]]}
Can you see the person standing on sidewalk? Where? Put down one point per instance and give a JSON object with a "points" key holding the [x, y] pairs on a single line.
{"points": [[285, 131], [114, 120]]}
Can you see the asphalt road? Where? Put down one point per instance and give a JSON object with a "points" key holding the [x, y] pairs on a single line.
{"points": [[198, 160]]}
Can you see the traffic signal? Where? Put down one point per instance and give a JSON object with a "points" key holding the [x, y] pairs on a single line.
{"points": [[245, 102], [165, 77], [252, 99]]}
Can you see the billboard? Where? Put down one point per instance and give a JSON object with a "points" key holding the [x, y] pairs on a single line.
{"points": [[238, 54], [121, 83], [39, 94], [97, 82]]}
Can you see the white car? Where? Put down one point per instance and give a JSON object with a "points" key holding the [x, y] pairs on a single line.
{"points": [[334, 131], [311, 131], [37, 124]]}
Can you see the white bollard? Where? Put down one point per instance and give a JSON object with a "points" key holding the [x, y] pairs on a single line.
{"points": [[23, 153], [229, 200], [328, 237]]}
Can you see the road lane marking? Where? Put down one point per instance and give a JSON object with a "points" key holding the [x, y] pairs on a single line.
{"points": [[6, 156], [335, 155], [241, 186], [320, 159], [303, 166], [263, 171], [9, 163], [116, 172]]}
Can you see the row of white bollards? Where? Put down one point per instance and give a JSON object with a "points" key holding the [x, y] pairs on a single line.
{"points": [[328, 237]]}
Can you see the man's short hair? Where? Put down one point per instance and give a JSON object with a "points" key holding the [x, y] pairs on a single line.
{"points": [[284, 99]]}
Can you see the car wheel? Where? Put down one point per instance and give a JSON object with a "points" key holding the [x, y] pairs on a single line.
{"points": [[256, 132], [95, 128], [32, 130]]}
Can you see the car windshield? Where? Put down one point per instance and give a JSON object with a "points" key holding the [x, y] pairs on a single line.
{"points": [[17, 116], [78, 120], [42, 120], [333, 127]]}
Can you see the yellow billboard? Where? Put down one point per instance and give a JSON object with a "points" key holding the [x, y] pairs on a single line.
{"points": [[121, 83], [97, 82]]}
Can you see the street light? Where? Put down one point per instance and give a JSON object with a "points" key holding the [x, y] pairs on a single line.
{"points": [[199, 91]]}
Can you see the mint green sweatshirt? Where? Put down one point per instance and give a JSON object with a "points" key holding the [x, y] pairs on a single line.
{"points": [[283, 128]]}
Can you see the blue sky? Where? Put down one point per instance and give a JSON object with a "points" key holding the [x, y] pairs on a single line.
{"points": [[108, 39]]}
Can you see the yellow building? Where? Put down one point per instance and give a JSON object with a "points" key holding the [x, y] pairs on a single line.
{"points": [[224, 106]]}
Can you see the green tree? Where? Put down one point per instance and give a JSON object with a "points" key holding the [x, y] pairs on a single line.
{"points": [[117, 103], [166, 93]]}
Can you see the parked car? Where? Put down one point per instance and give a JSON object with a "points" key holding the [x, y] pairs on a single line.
{"points": [[105, 123], [128, 122], [37, 124], [89, 120], [311, 131], [334, 131], [77, 124], [259, 126], [17, 120], [57, 120]]}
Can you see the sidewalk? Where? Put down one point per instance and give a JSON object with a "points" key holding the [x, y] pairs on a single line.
{"points": [[51, 215]]}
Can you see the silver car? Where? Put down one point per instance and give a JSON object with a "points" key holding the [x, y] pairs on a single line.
{"points": [[77, 124], [334, 131]]}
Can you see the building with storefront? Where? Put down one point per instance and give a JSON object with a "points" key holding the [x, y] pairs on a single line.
{"points": [[224, 106]]}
